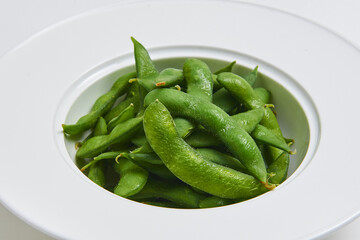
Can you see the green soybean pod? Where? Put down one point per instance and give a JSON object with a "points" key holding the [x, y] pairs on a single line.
{"points": [[202, 139], [126, 114], [176, 192], [246, 120], [189, 165], [101, 106], [145, 148], [100, 129], [263, 94], [222, 159], [198, 78], [139, 140], [97, 170], [132, 178], [214, 201], [213, 118], [279, 168], [227, 68], [252, 76], [264, 135], [223, 99], [102, 156], [169, 77], [145, 68], [132, 96], [184, 127], [250, 119], [249, 122], [242, 91], [119, 108], [152, 163], [97, 173], [121, 133]]}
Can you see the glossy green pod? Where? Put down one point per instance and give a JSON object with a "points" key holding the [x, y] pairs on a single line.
{"points": [[97, 170], [152, 163], [101, 106], [121, 133], [188, 164], [214, 201], [213, 118], [243, 92], [227, 68], [126, 114], [169, 77], [145, 68], [263, 94], [198, 79], [176, 192], [132, 178]]}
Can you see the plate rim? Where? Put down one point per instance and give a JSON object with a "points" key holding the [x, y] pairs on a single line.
{"points": [[139, 2]]}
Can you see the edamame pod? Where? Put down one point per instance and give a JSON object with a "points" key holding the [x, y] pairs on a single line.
{"points": [[263, 94], [183, 127], [119, 108], [169, 77], [236, 139], [202, 139], [176, 192], [252, 76], [132, 178], [214, 201], [126, 114], [243, 92], [188, 164], [227, 68], [264, 135], [222, 159], [279, 168], [121, 133], [250, 119], [145, 68], [223, 99], [139, 140], [106, 155], [249, 122], [198, 79], [102, 105], [152, 163], [97, 170]]}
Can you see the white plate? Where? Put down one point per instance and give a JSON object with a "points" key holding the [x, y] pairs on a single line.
{"points": [[42, 77]]}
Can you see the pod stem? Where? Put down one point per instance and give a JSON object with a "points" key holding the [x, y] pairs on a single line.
{"points": [[117, 158], [132, 80], [78, 145], [269, 186], [160, 84], [269, 105]]}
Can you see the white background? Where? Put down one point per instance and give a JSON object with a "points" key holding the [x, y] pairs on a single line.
{"points": [[20, 19]]}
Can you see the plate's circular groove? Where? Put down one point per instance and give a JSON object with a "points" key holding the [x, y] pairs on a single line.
{"points": [[37, 185]]}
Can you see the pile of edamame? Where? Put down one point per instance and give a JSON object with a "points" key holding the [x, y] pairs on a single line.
{"points": [[183, 138]]}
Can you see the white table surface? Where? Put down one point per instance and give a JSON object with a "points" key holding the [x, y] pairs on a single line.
{"points": [[19, 19]]}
